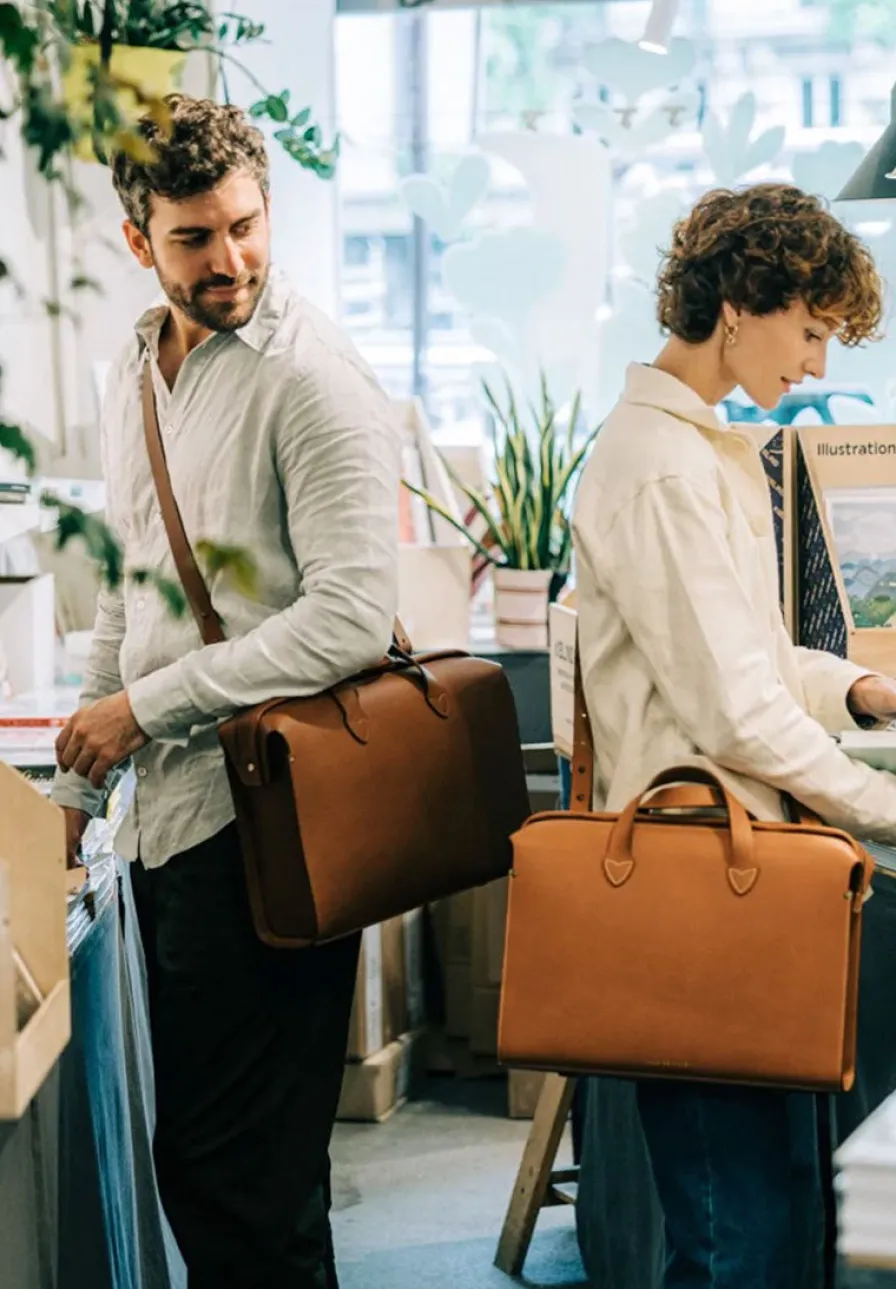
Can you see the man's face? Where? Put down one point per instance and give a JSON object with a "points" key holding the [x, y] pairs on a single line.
{"points": [[211, 252]]}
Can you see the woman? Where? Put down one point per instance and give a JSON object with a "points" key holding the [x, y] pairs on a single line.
{"points": [[685, 656]]}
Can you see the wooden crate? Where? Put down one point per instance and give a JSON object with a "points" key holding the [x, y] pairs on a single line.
{"points": [[32, 940]]}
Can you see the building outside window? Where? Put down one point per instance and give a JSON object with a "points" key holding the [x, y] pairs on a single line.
{"points": [[417, 88]]}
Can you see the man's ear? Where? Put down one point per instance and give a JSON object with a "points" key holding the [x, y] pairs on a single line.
{"points": [[138, 244]]}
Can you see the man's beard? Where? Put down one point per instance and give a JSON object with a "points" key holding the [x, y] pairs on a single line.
{"points": [[218, 315]]}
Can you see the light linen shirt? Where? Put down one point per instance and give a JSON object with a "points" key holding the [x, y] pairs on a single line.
{"points": [[685, 657], [279, 440]]}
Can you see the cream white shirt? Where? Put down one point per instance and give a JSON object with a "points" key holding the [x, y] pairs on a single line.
{"points": [[685, 657], [279, 440]]}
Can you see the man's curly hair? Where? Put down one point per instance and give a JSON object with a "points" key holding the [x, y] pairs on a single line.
{"points": [[205, 142], [761, 249]]}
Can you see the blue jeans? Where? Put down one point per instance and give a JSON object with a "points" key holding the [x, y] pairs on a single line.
{"points": [[737, 1174]]}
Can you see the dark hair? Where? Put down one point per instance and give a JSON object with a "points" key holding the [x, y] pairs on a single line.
{"points": [[761, 249], [203, 142]]}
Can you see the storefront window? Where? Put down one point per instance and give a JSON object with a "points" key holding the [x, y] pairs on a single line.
{"points": [[591, 154]]}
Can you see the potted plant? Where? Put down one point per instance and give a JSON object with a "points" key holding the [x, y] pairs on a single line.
{"points": [[521, 526], [121, 57]]}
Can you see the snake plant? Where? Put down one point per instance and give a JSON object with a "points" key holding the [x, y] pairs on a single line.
{"points": [[523, 520]]}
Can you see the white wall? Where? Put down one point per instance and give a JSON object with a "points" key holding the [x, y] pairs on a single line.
{"points": [[299, 55]]}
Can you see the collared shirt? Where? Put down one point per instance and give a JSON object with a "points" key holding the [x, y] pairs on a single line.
{"points": [[685, 657], [279, 440]]}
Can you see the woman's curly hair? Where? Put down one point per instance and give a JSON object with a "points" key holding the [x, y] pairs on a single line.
{"points": [[203, 142], [761, 249]]}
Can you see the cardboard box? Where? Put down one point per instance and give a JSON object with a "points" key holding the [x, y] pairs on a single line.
{"points": [[444, 1055], [485, 1004], [842, 473], [523, 1090], [373, 1090], [367, 1027], [413, 928], [489, 921], [403, 989], [453, 918], [395, 1006], [34, 964], [458, 979]]}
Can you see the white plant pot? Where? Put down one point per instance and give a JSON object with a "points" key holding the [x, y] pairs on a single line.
{"points": [[521, 607]]}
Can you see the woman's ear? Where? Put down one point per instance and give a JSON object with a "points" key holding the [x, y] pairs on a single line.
{"points": [[730, 315]]}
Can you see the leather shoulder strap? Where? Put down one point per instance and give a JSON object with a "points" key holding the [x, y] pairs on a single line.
{"points": [[191, 578], [188, 570], [582, 743]]}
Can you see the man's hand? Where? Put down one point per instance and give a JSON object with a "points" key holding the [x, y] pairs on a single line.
{"points": [[76, 822], [873, 696], [99, 737]]}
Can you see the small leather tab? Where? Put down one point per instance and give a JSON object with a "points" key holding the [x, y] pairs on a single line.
{"points": [[618, 871], [742, 880]]}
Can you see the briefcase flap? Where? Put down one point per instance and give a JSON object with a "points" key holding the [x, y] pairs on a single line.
{"points": [[378, 796], [245, 736], [680, 954]]}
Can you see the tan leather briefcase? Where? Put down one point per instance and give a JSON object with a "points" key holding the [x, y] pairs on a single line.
{"points": [[392, 789], [658, 943]]}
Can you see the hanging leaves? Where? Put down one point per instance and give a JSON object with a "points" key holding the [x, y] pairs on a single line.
{"points": [[19, 42], [14, 440], [238, 566]]}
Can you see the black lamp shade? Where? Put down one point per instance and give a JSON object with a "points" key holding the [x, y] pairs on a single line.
{"points": [[875, 178]]}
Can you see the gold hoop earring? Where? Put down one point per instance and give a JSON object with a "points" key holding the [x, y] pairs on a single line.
{"points": [[730, 333]]}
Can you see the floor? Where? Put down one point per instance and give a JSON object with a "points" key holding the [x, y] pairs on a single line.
{"points": [[419, 1201]]}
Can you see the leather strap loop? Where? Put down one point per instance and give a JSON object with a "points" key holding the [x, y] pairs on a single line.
{"points": [[582, 743], [193, 582]]}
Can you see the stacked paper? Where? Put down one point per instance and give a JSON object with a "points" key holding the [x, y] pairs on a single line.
{"points": [[867, 1186]]}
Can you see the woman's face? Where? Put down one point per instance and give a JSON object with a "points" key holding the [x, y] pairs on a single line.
{"points": [[770, 354]]}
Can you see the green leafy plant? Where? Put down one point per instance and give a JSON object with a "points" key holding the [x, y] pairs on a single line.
{"points": [[186, 25], [523, 521], [32, 39]]}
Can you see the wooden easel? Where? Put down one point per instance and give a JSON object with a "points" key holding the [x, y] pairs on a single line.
{"points": [[538, 1183]]}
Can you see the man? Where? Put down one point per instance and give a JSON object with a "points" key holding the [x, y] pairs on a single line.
{"points": [[279, 440]]}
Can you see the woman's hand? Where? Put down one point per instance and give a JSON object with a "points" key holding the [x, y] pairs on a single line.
{"points": [[873, 696]]}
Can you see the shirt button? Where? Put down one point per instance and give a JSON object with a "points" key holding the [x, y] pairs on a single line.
{"points": [[141, 604], [142, 772]]}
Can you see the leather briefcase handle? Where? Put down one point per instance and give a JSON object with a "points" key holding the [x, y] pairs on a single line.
{"points": [[740, 858], [194, 584]]}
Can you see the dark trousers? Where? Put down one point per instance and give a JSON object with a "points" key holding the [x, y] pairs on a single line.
{"points": [[738, 1178], [248, 1046]]}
